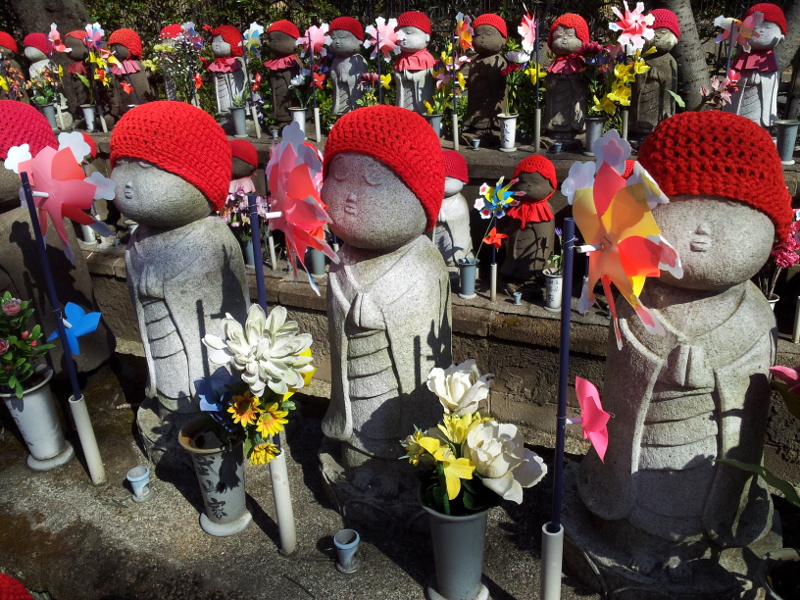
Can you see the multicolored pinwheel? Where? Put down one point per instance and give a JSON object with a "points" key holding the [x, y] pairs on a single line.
{"points": [[741, 31], [527, 31], [496, 200], [464, 32]]}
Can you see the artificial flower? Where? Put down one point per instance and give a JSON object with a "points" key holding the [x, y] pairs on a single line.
{"points": [[17, 155], [55, 39], [245, 408], [527, 30], [126, 87], [518, 57], [315, 37], [77, 323], [318, 80], [495, 239], [456, 427], [495, 200], [454, 468], [386, 80], [460, 388], [75, 141], [635, 28], [198, 81], [11, 307], [414, 451], [271, 420], [263, 453], [535, 73]]}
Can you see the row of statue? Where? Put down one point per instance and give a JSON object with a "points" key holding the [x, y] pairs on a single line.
{"points": [[566, 99]]}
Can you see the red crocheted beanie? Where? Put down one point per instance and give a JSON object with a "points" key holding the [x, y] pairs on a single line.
{"points": [[400, 139], [78, 34], [246, 151], [771, 12], [570, 20], [286, 27], [38, 41], [455, 165], [6, 41], [538, 164], [179, 138], [92, 146], [171, 32], [722, 154], [11, 589], [492, 20], [666, 18], [128, 38], [348, 24], [23, 124], [230, 35], [414, 18]]}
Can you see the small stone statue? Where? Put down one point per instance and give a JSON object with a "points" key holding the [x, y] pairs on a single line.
{"points": [[414, 67], [566, 89], [282, 38], [37, 51], [452, 235], [10, 70], [757, 95], [228, 72], [651, 100], [185, 268], [76, 92], [660, 513], [486, 84], [531, 232], [389, 297], [131, 85], [347, 65], [244, 163]]}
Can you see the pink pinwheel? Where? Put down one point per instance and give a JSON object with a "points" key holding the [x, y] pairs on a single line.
{"points": [[634, 26], [55, 39], [464, 32], [527, 31], [614, 216], [743, 31], [318, 37], [593, 419], [94, 36], [382, 37], [294, 189], [787, 382]]}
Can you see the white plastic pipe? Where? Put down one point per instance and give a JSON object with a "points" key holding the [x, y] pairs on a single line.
{"points": [[552, 559], [91, 452], [493, 290], [272, 258], [796, 330], [283, 503], [455, 131], [88, 235], [537, 129], [317, 126]]}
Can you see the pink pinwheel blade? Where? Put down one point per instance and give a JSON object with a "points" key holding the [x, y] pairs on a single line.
{"points": [[594, 418]]}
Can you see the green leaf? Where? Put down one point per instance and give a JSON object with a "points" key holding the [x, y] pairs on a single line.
{"points": [[678, 100], [786, 488], [12, 381]]}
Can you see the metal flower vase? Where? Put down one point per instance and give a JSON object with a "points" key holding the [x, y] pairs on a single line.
{"points": [[787, 139], [49, 111], [220, 472], [89, 115], [458, 543], [468, 268], [38, 422], [436, 123], [239, 116], [594, 131]]}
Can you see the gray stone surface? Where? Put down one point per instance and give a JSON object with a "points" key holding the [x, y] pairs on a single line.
{"points": [[413, 87], [228, 87], [347, 67], [651, 101], [486, 87], [567, 94], [452, 235]]}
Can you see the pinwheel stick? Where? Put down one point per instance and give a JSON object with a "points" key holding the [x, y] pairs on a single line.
{"points": [[493, 278], [76, 403], [455, 98], [277, 467], [537, 123], [730, 48], [253, 110], [378, 54], [588, 248], [189, 71], [553, 532]]}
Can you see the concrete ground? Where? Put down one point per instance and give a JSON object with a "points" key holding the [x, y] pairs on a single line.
{"points": [[68, 540]]}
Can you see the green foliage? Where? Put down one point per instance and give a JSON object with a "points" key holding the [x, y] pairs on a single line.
{"points": [[786, 488]]}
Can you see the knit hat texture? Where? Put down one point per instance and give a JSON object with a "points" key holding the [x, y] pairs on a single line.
{"points": [[771, 12], [171, 32], [78, 34], [537, 164], [416, 19], [128, 38], [286, 27], [38, 41], [348, 24], [400, 139], [455, 165], [23, 124], [666, 18], [179, 138], [570, 20], [11, 589], [493, 20], [722, 154], [6, 41], [231, 36], [246, 151], [92, 146]]}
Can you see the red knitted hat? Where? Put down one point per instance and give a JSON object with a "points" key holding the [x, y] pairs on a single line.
{"points": [[455, 165], [6, 41], [38, 41], [286, 27], [348, 24], [493, 20], [719, 153], [570, 20], [538, 164], [92, 146], [23, 124], [231, 36], [246, 151], [11, 589], [666, 18], [771, 12], [400, 139], [414, 18], [128, 38], [171, 32], [179, 138]]}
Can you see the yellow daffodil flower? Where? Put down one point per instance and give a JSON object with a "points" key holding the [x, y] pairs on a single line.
{"points": [[428, 107], [620, 94], [386, 80], [640, 67], [245, 409], [605, 105], [455, 428], [535, 74], [271, 421], [414, 450], [455, 469], [462, 81], [3, 84]]}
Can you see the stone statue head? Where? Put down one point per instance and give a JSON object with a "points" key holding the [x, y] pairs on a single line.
{"points": [[412, 39], [346, 34], [490, 34], [537, 177], [245, 158], [34, 54], [663, 41], [79, 52], [120, 51], [282, 38], [220, 47], [667, 31], [767, 35], [226, 41], [8, 47], [452, 186], [568, 34]]}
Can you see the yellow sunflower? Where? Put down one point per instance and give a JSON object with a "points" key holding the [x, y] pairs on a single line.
{"points": [[245, 409]]}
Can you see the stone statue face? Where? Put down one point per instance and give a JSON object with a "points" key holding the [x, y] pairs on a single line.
{"points": [[120, 51], [707, 231], [34, 54], [767, 35], [534, 185], [281, 44], [344, 43], [663, 41], [79, 51], [564, 41], [452, 186], [369, 205], [487, 40], [156, 197], [241, 168], [5, 52], [220, 47], [411, 39]]}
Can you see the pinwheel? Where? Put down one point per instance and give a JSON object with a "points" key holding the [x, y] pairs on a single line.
{"points": [[464, 32], [495, 200], [528, 32], [740, 32], [593, 419], [614, 216], [78, 323], [55, 39], [315, 38], [252, 38], [635, 27], [94, 37], [382, 38]]}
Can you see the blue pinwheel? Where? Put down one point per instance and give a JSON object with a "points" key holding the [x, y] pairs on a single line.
{"points": [[77, 323]]}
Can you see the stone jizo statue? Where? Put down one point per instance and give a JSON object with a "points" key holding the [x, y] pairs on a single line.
{"points": [[131, 85], [228, 72], [281, 41], [414, 67], [347, 65], [452, 233], [566, 89]]}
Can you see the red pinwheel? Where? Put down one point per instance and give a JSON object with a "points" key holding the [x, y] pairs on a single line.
{"points": [[494, 239], [593, 418], [126, 87]]}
